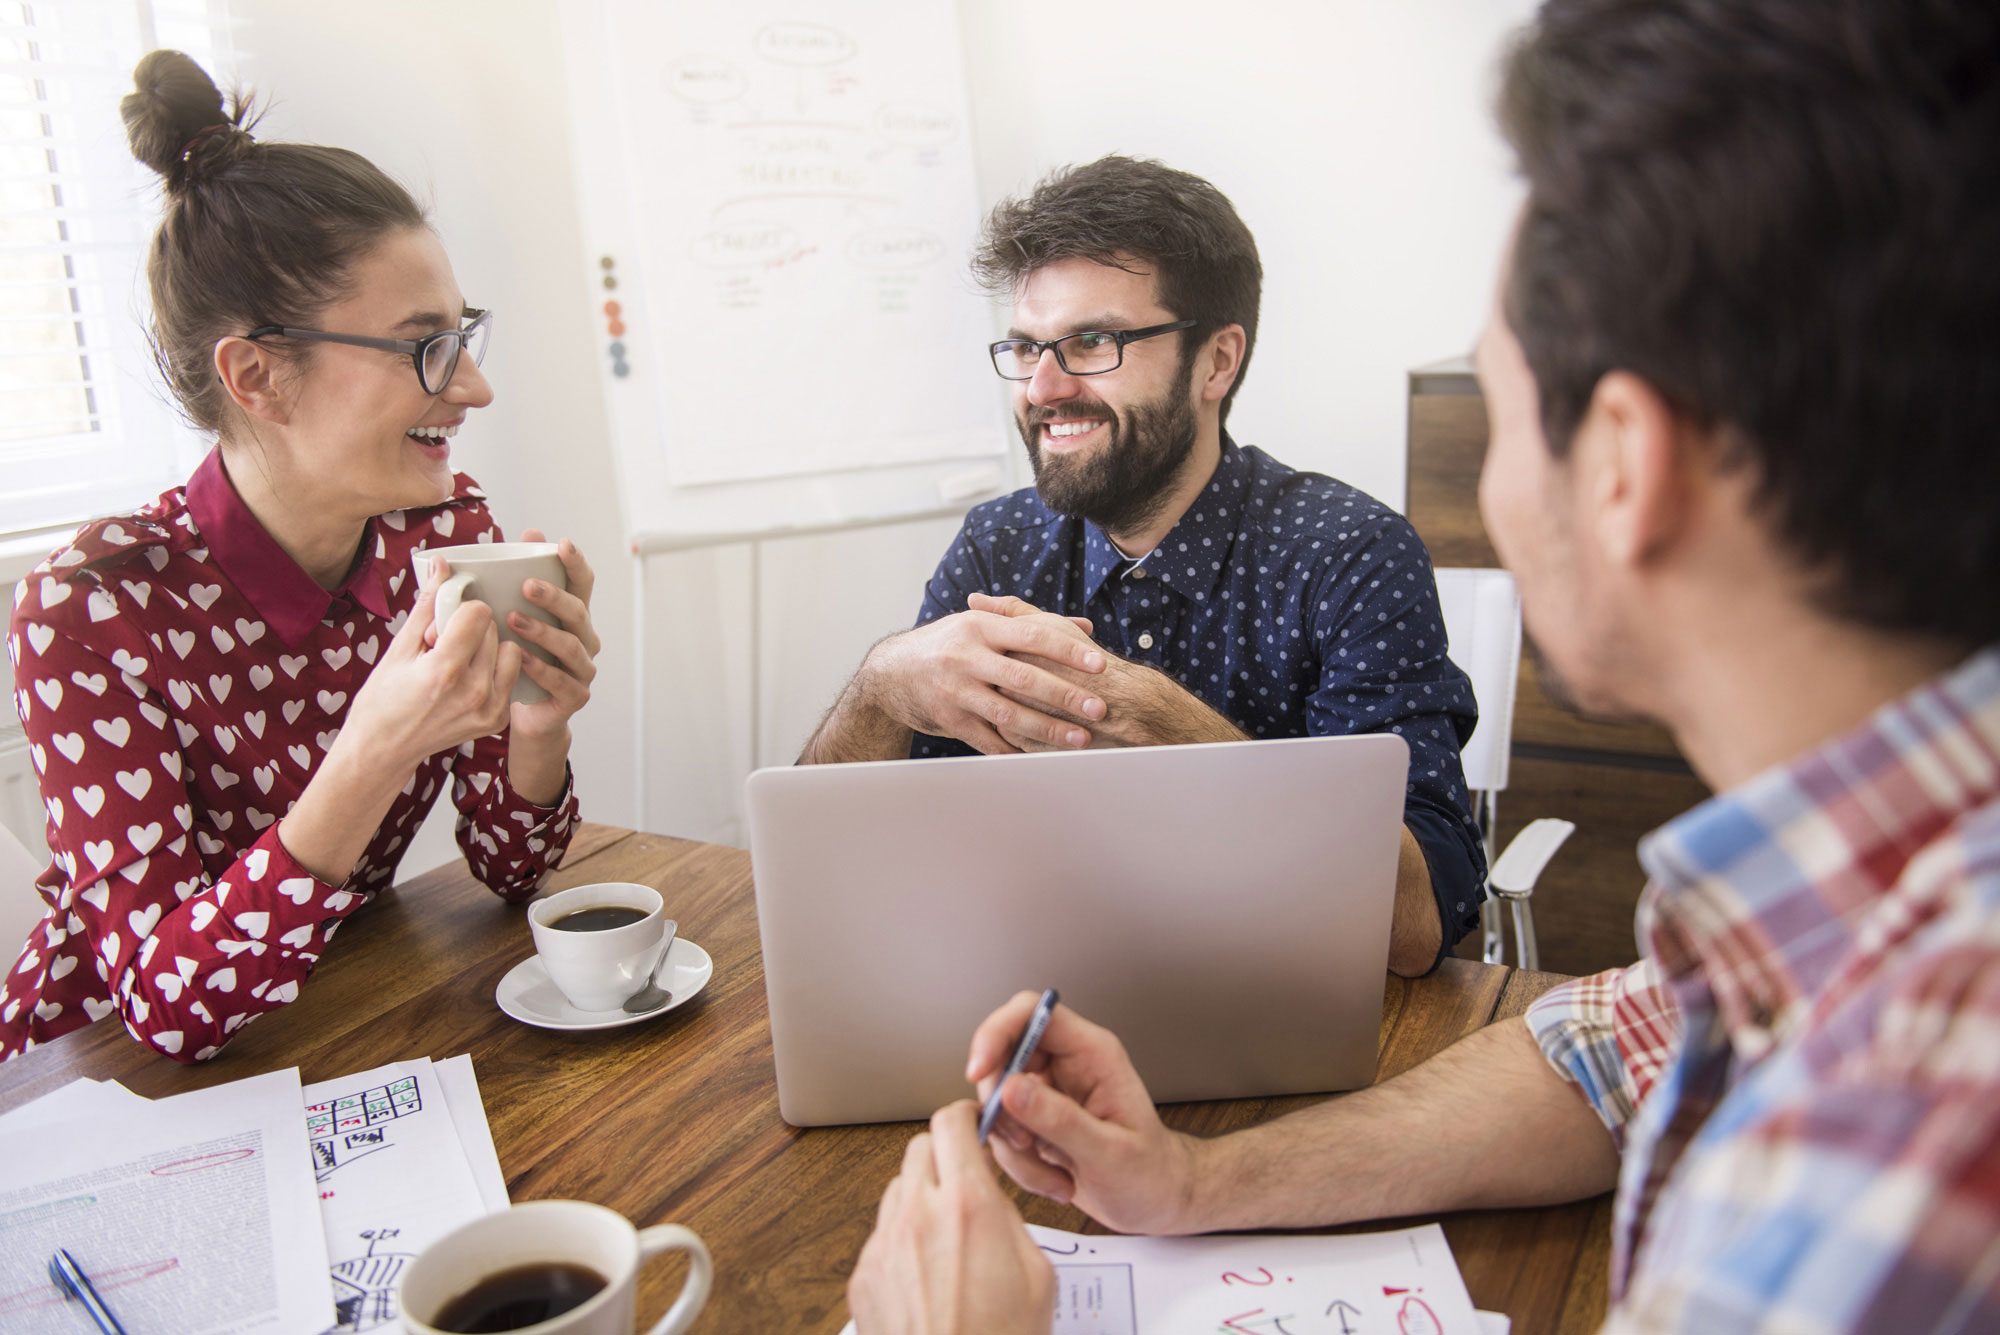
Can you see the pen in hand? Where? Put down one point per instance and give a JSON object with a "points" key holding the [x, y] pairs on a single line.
{"points": [[1023, 1050], [74, 1284]]}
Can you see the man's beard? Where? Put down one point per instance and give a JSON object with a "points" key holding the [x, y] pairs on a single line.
{"points": [[1126, 481]]}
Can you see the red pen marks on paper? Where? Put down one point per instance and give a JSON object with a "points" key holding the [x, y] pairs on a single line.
{"points": [[201, 1162], [46, 1295]]}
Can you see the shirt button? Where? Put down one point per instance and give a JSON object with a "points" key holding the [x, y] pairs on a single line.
{"points": [[1146, 640], [1138, 572]]}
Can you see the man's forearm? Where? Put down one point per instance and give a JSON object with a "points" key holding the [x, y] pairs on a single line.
{"points": [[1146, 707], [1414, 929], [857, 729], [1485, 1124]]}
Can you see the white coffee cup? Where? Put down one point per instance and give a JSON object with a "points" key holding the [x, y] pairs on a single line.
{"points": [[564, 1232], [598, 970], [492, 573]]}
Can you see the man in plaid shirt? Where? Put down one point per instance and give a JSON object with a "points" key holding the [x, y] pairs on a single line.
{"points": [[1743, 379]]}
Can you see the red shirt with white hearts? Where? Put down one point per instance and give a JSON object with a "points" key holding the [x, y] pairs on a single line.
{"points": [[180, 679]]}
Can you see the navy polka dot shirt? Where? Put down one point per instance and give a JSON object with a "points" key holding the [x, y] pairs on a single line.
{"points": [[1293, 604]]}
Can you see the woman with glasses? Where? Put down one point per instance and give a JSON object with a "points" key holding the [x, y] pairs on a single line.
{"points": [[237, 699]]}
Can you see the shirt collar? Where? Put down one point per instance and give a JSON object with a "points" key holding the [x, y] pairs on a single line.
{"points": [[290, 602], [1760, 893], [1215, 516]]}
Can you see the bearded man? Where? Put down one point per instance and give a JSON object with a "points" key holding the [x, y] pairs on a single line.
{"points": [[1159, 583]]}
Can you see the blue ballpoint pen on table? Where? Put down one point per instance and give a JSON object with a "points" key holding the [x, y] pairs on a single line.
{"points": [[73, 1283], [1023, 1050]]}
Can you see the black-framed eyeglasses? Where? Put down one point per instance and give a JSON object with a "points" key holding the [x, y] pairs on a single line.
{"points": [[1092, 352], [434, 355]]}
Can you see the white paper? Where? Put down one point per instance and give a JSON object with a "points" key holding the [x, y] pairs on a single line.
{"points": [[1396, 1283], [468, 1115], [1403, 1281], [803, 176], [393, 1178], [82, 1097], [192, 1214]]}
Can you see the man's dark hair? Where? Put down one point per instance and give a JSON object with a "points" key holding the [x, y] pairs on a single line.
{"points": [[1117, 210], [1785, 216]]}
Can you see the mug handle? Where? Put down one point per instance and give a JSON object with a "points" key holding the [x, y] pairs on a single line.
{"points": [[449, 595], [701, 1270]]}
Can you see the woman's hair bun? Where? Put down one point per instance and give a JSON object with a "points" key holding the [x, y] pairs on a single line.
{"points": [[174, 119]]}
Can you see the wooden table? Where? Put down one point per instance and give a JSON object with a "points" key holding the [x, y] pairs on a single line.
{"points": [[677, 1119]]}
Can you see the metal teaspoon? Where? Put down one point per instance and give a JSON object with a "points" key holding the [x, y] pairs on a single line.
{"points": [[652, 996]]}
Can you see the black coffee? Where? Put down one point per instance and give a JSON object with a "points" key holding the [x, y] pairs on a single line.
{"points": [[597, 919], [520, 1297]]}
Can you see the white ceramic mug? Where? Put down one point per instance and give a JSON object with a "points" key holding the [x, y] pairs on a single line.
{"points": [[598, 970], [564, 1232], [492, 573]]}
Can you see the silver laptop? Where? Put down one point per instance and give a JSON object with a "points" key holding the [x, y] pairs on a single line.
{"points": [[1223, 908]]}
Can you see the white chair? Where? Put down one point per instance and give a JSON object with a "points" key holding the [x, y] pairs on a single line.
{"points": [[20, 907], [1482, 621]]}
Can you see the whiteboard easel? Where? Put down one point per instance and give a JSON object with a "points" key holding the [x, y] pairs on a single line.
{"points": [[781, 195]]}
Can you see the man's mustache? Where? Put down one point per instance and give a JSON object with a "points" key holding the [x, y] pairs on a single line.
{"points": [[1049, 412]]}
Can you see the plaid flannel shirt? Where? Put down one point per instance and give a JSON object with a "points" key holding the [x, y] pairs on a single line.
{"points": [[1803, 1070]]}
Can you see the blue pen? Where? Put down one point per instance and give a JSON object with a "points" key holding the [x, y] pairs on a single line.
{"points": [[74, 1285], [1023, 1050]]}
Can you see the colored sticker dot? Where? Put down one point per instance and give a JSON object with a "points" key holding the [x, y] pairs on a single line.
{"points": [[617, 349], [616, 328], [610, 283], [621, 370], [613, 309], [605, 262]]}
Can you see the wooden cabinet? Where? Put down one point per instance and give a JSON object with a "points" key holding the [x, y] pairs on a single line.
{"points": [[1616, 780]]}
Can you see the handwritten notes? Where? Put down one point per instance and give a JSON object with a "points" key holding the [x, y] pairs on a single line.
{"points": [[1397, 1283], [396, 1172], [803, 177]]}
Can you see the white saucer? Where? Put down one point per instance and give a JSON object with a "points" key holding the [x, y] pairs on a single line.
{"points": [[527, 994]]}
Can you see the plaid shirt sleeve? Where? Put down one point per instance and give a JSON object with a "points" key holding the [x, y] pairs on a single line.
{"points": [[1851, 1189], [1810, 1217], [1848, 1184], [1609, 1034]]}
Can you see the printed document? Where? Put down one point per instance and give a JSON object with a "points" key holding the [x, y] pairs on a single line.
{"points": [[195, 1213]]}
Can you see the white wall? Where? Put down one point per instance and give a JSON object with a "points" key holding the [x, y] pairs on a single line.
{"points": [[1355, 138], [462, 102], [1353, 135]]}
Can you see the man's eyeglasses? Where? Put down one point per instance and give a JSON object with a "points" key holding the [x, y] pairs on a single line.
{"points": [[1090, 353], [434, 355]]}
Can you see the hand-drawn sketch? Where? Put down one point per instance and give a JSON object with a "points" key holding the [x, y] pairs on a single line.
{"points": [[393, 1178], [356, 1125], [1394, 1283], [1347, 1313], [364, 1287]]}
